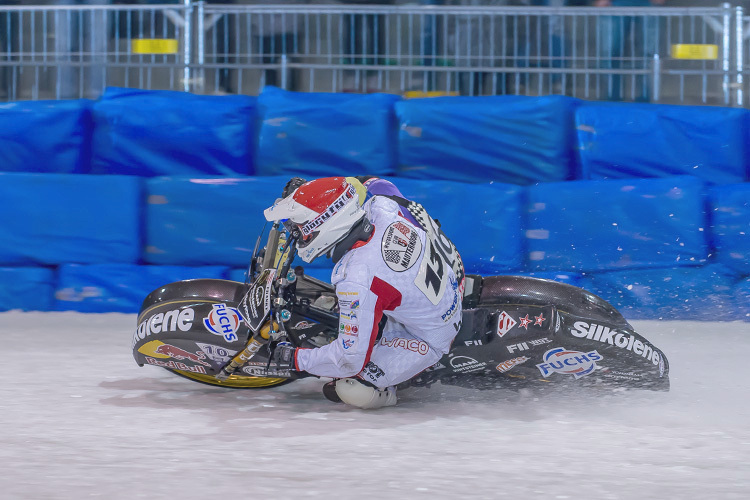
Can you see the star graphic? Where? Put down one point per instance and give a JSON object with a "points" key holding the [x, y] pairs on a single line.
{"points": [[539, 319], [524, 322]]}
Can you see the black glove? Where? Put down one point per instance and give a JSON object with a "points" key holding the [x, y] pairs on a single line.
{"points": [[293, 184], [282, 356]]}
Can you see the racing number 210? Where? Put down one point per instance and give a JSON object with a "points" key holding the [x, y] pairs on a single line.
{"points": [[431, 276]]}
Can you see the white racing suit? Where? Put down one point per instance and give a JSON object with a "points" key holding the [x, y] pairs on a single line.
{"points": [[406, 274]]}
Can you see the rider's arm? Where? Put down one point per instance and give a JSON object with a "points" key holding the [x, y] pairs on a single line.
{"points": [[361, 309]]}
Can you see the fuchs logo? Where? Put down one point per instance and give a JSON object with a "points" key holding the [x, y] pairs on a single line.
{"points": [[504, 323], [223, 321], [507, 365], [576, 363], [604, 334]]}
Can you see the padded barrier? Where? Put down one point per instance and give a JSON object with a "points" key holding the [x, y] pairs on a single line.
{"points": [[609, 225], [321, 135], [742, 296], [119, 287], [56, 218], [321, 273], [623, 140], [482, 220], [45, 136], [195, 222], [679, 293], [511, 139], [730, 225], [150, 133], [26, 288]]}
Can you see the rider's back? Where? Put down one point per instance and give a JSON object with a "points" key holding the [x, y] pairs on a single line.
{"points": [[399, 263]]}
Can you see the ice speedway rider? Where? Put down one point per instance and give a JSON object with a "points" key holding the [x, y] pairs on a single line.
{"points": [[391, 259]]}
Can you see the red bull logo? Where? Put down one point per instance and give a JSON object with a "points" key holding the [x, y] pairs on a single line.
{"points": [[176, 365], [224, 321], [180, 354]]}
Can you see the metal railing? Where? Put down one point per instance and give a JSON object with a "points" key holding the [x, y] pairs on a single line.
{"points": [[593, 53]]}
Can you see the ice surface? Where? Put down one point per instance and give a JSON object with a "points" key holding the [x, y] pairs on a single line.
{"points": [[79, 419]]}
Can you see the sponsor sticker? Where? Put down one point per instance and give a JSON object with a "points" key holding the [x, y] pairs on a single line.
{"points": [[528, 344], [337, 205], [176, 365], [507, 365], [216, 353], [303, 325], [465, 364], [607, 335], [447, 315], [171, 321], [158, 349], [408, 344], [524, 322], [224, 321], [539, 320], [347, 343], [505, 323], [576, 363], [373, 371], [401, 246]]}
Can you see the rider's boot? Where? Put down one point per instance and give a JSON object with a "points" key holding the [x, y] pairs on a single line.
{"points": [[329, 391], [356, 393]]}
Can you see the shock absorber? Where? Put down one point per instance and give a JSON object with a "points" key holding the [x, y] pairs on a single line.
{"points": [[253, 346]]}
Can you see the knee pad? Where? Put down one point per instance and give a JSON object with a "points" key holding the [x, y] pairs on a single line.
{"points": [[355, 393]]}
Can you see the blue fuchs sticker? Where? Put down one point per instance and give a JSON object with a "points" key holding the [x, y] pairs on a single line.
{"points": [[224, 321], [576, 363]]}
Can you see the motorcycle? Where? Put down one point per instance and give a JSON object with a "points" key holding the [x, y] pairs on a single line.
{"points": [[516, 331]]}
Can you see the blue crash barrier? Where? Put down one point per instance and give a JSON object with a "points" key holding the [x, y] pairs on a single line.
{"points": [[26, 288], [742, 296], [730, 225], [482, 220], [119, 287], [320, 135], [151, 133], [321, 273], [623, 140], [609, 225], [202, 221], [45, 136], [56, 218], [511, 139], [686, 293]]}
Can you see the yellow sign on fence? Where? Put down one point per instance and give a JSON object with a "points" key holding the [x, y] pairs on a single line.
{"points": [[695, 51], [413, 94], [155, 46]]}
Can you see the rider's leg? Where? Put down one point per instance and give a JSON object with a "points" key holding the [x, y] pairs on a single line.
{"points": [[398, 356]]}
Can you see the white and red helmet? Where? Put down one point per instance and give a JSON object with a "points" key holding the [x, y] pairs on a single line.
{"points": [[324, 210]]}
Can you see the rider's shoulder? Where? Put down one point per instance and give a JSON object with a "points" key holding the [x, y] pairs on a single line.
{"points": [[380, 206], [352, 268]]}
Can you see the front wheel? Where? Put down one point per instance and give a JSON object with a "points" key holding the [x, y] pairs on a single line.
{"points": [[234, 381]]}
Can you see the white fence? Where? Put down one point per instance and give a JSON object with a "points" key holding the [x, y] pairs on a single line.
{"points": [[685, 55]]}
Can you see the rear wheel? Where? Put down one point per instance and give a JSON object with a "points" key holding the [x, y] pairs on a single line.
{"points": [[234, 381]]}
